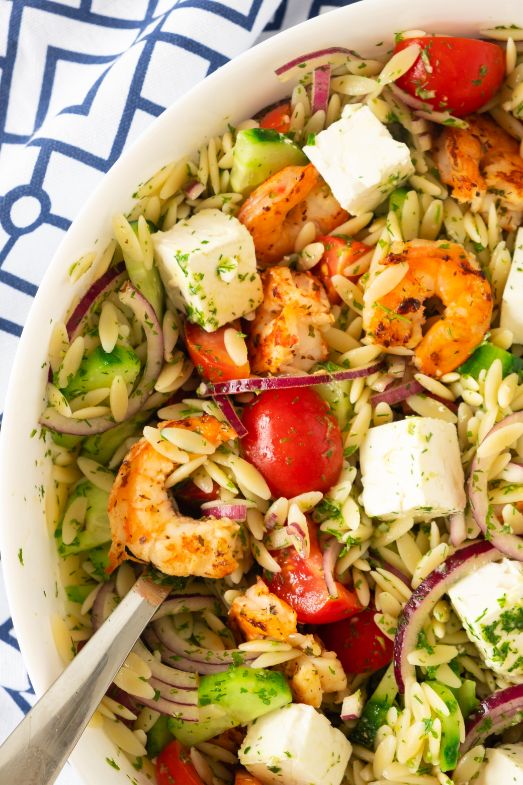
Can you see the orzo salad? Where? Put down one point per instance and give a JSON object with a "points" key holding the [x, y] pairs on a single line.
{"points": [[294, 389]]}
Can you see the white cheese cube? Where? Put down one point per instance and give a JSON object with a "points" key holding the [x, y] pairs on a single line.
{"points": [[295, 745], [360, 161], [412, 467], [489, 602], [511, 317], [208, 266], [503, 766]]}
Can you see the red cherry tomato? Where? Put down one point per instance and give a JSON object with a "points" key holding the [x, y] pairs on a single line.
{"points": [[340, 253], [209, 355], [244, 778], [278, 118], [190, 497], [358, 642], [458, 75], [294, 441], [174, 767], [302, 585]]}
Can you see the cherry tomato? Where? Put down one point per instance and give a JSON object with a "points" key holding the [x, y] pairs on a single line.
{"points": [[458, 75], [358, 642], [302, 585], [340, 253], [244, 778], [190, 497], [278, 118], [174, 767], [294, 441], [208, 353]]}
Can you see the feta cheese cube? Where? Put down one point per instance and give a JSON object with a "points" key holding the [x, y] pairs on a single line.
{"points": [[489, 602], [295, 745], [503, 766], [412, 467], [511, 317], [360, 161], [208, 266]]}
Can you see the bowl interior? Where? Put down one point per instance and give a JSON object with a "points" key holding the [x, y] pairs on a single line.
{"points": [[29, 559]]}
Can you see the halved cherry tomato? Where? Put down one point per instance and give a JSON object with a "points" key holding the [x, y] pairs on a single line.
{"points": [[190, 497], [244, 778], [174, 767], [302, 585], [340, 253], [458, 75], [278, 118], [358, 642], [208, 353], [293, 440]]}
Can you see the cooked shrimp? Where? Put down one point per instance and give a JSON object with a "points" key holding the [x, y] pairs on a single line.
{"points": [[435, 269], [276, 211], [145, 522], [286, 330], [481, 158], [260, 614]]}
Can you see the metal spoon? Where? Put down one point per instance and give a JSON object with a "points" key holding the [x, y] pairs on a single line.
{"points": [[38, 748]]}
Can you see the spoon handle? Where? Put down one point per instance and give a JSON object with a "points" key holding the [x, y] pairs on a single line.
{"points": [[39, 746]]}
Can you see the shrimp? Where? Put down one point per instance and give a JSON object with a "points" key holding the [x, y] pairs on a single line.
{"points": [[481, 158], [145, 522], [435, 269], [275, 212], [286, 330], [260, 614]]}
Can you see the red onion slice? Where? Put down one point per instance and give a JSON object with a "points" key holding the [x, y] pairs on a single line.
{"points": [[423, 600], [173, 694], [110, 282], [229, 412], [493, 715], [144, 312], [409, 100], [100, 611], [509, 544], [183, 604], [398, 573], [260, 384], [352, 706], [165, 673], [398, 393], [330, 557], [236, 512], [320, 88], [172, 709], [194, 189], [333, 56]]}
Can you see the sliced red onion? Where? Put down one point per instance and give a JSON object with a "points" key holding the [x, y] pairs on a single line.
{"points": [[99, 611], [172, 709], [144, 312], [352, 706], [423, 600], [186, 603], [493, 715], [109, 282], [398, 573], [260, 384], [229, 412], [173, 694], [409, 100], [320, 88], [194, 189], [193, 658], [165, 673], [398, 393], [333, 56], [458, 529], [330, 557], [509, 544], [236, 512]]}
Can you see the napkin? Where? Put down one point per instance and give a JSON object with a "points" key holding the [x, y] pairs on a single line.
{"points": [[79, 81]]}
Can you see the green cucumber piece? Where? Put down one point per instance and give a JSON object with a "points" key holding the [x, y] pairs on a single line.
{"points": [[450, 725], [97, 530], [466, 697], [66, 440], [375, 710], [148, 282], [158, 736], [99, 368], [234, 697], [260, 152], [483, 357], [102, 446], [99, 558], [336, 394], [80, 592]]}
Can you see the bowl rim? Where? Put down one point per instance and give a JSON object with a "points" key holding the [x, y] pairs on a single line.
{"points": [[273, 51]]}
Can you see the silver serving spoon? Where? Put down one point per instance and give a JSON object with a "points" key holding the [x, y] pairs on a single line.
{"points": [[38, 748]]}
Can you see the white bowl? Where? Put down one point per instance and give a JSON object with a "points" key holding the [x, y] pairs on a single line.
{"points": [[235, 92]]}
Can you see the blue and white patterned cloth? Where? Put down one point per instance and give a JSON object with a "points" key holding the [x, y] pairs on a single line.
{"points": [[79, 80]]}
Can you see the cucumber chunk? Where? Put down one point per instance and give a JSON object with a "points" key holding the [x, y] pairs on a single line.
{"points": [[99, 558], [97, 530], [234, 697], [450, 725], [148, 282], [375, 711], [67, 440], [80, 592], [336, 394], [260, 152], [99, 368], [102, 446], [483, 357], [466, 697], [159, 736]]}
